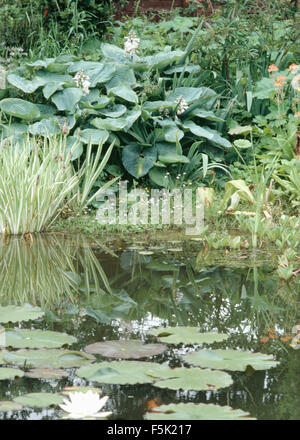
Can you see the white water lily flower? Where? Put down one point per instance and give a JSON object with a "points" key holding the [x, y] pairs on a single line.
{"points": [[131, 43], [84, 405]]}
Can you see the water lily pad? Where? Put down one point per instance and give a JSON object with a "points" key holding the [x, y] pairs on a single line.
{"points": [[7, 405], [192, 411], [118, 372], [41, 400], [47, 373], [48, 358], [79, 389], [189, 378], [10, 373], [131, 349], [233, 360], [36, 338], [19, 313], [186, 335]]}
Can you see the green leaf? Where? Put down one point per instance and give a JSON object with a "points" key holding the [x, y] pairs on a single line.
{"points": [[117, 124], [47, 373], [242, 143], [189, 378], [233, 360], [42, 400], [19, 108], [20, 313], [172, 134], [51, 88], [6, 405], [192, 94], [138, 160], [163, 59], [27, 86], [186, 335], [74, 147], [208, 133], [10, 373], [45, 127], [18, 338], [117, 111], [92, 135], [192, 411], [124, 92], [118, 372], [158, 176], [67, 99], [240, 129], [130, 349], [173, 158], [204, 114], [48, 358], [264, 89]]}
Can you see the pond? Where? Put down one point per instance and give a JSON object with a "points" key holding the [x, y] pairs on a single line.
{"points": [[117, 290]]}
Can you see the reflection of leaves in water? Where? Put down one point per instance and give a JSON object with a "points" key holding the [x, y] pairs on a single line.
{"points": [[49, 271]]}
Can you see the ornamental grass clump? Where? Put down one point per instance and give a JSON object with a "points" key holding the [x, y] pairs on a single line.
{"points": [[36, 182]]}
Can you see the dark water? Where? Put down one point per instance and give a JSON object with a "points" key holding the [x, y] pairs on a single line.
{"points": [[105, 290]]}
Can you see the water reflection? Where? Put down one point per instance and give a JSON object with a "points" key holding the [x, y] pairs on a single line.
{"points": [[97, 292]]}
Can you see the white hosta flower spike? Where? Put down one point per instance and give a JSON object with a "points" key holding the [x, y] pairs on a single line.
{"points": [[84, 405], [182, 105], [82, 81], [131, 43]]}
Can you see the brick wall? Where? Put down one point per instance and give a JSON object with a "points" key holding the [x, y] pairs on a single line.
{"points": [[155, 5]]}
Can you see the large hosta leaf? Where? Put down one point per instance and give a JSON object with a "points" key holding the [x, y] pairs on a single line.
{"points": [[41, 400], [115, 112], [19, 338], [131, 349], [189, 378], [45, 127], [118, 372], [124, 92], [95, 137], [20, 313], [10, 373], [27, 86], [19, 108], [264, 88], [48, 358], [138, 160], [67, 99], [192, 411], [208, 133], [117, 124], [163, 59], [233, 360], [193, 94], [186, 335]]}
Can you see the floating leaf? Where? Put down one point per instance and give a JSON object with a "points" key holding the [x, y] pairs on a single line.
{"points": [[19, 313], [47, 373], [189, 378], [7, 405], [48, 358], [41, 400], [118, 372], [192, 411], [131, 349], [10, 373], [186, 335], [233, 360]]}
